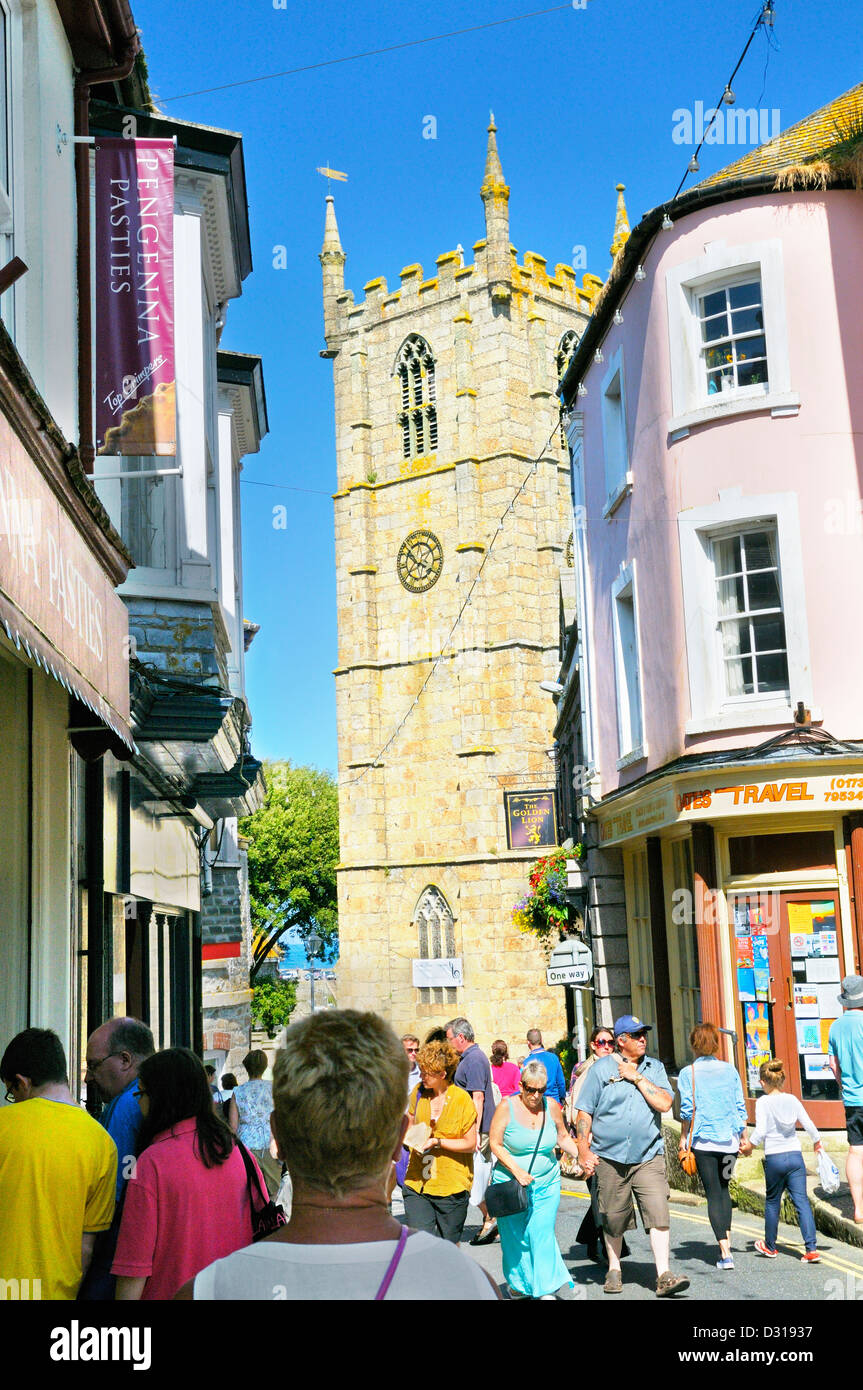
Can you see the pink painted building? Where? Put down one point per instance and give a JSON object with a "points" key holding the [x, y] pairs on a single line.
{"points": [[711, 708]]}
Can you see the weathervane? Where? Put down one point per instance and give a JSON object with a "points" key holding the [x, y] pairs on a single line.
{"points": [[332, 174]]}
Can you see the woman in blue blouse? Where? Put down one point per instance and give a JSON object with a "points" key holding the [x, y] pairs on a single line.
{"points": [[720, 1124]]}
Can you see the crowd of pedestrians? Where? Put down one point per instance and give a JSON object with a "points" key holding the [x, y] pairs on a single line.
{"points": [[170, 1193]]}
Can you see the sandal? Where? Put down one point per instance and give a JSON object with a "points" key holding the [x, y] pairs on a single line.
{"points": [[488, 1233]]}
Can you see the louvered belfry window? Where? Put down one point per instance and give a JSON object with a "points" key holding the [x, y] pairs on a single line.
{"points": [[418, 415], [565, 348]]}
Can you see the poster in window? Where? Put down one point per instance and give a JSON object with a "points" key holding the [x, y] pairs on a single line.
{"points": [[806, 1002], [808, 1035], [822, 971], [800, 917], [817, 1067], [745, 983]]}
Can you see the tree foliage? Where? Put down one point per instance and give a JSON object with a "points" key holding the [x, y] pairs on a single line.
{"points": [[293, 853], [273, 1002]]}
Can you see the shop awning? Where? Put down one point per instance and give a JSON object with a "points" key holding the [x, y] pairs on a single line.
{"points": [[36, 647]]}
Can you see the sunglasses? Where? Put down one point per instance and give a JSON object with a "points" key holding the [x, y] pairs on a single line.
{"points": [[604, 1042], [533, 1090]]}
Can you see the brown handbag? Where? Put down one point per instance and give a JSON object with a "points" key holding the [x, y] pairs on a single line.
{"points": [[687, 1159]]}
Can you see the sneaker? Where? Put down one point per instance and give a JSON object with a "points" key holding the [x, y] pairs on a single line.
{"points": [[669, 1283], [613, 1282], [725, 1263], [548, 1298], [810, 1258], [765, 1250]]}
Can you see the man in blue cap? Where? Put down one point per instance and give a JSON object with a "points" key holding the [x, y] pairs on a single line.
{"points": [[619, 1135]]}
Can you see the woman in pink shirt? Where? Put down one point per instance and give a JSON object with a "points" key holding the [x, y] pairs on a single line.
{"points": [[188, 1201], [504, 1073]]}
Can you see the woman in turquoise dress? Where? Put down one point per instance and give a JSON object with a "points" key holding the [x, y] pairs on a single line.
{"points": [[532, 1263]]}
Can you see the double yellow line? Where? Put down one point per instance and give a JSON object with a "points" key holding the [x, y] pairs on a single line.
{"points": [[828, 1259]]}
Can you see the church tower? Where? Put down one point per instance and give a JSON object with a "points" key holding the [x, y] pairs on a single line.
{"points": [[444, 401]]}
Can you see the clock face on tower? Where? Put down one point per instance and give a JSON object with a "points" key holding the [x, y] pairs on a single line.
{"points": [[420, 561]]}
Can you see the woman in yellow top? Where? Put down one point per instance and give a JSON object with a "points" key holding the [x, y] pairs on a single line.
{"points": [[439, 1177]]}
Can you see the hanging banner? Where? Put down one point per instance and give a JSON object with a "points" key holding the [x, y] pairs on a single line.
{"points": [[135, 387]]}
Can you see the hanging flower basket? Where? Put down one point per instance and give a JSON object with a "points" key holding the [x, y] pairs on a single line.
{"points": [[544, 911]]}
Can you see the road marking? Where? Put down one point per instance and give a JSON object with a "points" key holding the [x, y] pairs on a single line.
{"points": [[745, 1228]]}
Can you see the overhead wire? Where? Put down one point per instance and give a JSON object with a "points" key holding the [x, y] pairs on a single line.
{"points": [[371, 53], [442, 654]]}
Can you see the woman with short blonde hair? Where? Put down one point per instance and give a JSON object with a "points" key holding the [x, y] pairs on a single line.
{"points": [[338, 1092]]}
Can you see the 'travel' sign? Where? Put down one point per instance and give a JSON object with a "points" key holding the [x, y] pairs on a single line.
{"points": [[531, 819], [720, 795]]}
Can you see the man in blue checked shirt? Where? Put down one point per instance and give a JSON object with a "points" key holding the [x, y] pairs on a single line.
{"points": [[618, 1130]]}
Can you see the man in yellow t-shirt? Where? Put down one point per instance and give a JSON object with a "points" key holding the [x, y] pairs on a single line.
{"points": [[58, 1171]]}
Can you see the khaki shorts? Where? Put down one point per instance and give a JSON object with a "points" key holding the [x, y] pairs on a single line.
{"points": [[619, 1182], [485, 1147]]}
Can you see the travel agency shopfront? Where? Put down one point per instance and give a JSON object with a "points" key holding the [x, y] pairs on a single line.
{"points": [[743, 882]]}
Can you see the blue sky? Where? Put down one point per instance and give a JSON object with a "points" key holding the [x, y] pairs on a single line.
{"points": [[583, 99]]}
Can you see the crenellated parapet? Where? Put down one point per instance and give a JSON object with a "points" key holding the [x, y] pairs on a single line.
{"points": [[530, 285]]}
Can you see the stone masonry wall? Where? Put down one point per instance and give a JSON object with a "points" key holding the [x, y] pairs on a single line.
{"points": [[429, 811], [178, 638], [226, 992]]}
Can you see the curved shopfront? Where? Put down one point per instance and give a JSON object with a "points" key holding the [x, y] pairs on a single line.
{"points": [[740, 886]]}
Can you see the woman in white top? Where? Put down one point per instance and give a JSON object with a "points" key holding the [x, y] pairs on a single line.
{"points": [[776, 1120], [339, 1117]]}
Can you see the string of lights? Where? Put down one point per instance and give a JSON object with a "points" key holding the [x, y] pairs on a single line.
{"points": [[371, 53], [764, 20], [442, 654]]}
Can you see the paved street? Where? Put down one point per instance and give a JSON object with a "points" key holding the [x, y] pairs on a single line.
{"points": [[838, 1276]]}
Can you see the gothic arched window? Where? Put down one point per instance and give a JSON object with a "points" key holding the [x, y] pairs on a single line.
{"points": [[435, 926], [565, 348], [417, 415]]}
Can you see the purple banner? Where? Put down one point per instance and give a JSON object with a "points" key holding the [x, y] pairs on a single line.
{"points": [[135, 387]]}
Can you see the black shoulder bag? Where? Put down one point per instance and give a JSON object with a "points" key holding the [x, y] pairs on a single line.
{"points": [[266, 1216], [510, 1198]]}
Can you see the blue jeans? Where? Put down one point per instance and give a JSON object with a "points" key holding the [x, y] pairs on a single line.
{"points": [[781, 1171]]}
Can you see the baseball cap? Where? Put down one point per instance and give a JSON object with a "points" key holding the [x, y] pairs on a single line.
{"points": [[630, 1024]]}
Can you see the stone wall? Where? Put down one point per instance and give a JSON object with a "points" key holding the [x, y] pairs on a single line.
{"points": [[226, 992], [179, 638]]}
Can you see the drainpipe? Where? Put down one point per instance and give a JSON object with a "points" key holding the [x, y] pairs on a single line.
{"points": [[83, 82]]}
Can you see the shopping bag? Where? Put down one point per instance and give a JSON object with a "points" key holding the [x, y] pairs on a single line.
{"points": [[481, 1176], [828, 1173]]}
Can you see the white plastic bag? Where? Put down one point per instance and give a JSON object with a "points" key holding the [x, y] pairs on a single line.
{"points": [[481, 1176], [828, 1173]]}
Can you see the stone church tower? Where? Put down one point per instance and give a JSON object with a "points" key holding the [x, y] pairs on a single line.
{"points": [[444, 400]]}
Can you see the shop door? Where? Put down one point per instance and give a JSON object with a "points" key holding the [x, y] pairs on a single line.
{"points": [[788, 968]]}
